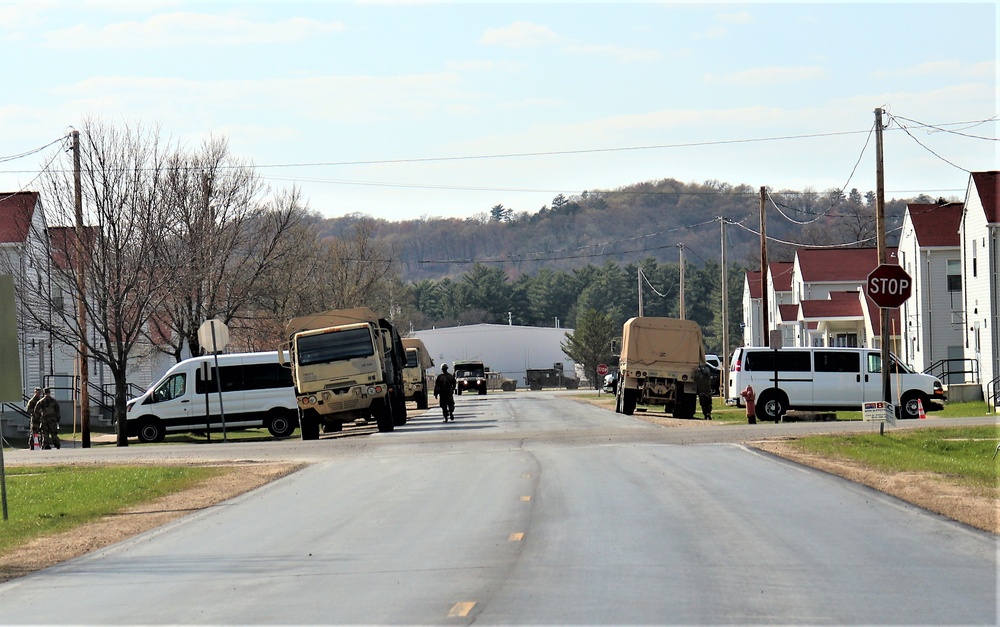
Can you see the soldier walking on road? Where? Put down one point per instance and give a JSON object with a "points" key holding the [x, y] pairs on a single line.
{"points": [[33, 426], [444, 391], [703, 385], [47, 415]]}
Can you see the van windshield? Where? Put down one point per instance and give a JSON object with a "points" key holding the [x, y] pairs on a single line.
{"points": [[334, 346]]}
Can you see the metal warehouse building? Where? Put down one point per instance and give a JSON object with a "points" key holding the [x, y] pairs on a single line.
{"points": [[502, 348]]}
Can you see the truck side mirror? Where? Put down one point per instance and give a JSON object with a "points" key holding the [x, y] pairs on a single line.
{"points": [[282, 348]]}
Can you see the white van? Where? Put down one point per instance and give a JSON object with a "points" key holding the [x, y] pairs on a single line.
{"points": [[256, 392], [826, 379]]}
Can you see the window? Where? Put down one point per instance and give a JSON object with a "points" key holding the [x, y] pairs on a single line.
{"points": [[232, 380], [788, 361], [847, 340], [838, 361], [334, 346], [170, 389], [411, 358], [954, 272]]}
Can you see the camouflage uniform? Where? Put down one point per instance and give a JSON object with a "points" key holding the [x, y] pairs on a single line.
{"points": [[47, 415], [444, 390], [703, 383], [33, 426]]}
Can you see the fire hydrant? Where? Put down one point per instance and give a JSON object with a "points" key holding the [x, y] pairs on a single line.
{"points": [[748, 399]]}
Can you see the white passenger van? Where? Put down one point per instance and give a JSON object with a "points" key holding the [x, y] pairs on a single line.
{"points": [[826, 379], [256, 392]]}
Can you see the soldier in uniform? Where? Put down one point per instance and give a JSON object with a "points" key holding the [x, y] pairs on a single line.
{"points": [[703, 385], [47, 415], [33, 427], [444, 391]]}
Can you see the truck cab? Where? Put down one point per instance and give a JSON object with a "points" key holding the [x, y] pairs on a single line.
{"points": [[418, 360]]}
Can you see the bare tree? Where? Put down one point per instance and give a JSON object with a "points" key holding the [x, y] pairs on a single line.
{"points": [[119, 250], [226, 233]]}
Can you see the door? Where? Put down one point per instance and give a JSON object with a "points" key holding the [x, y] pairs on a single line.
{"points": [[839, 380]]}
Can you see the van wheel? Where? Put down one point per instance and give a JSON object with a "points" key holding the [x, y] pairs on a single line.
{"points": [[309, 423], [150, 430], [908, 409], [772, 405], [281, 423]]}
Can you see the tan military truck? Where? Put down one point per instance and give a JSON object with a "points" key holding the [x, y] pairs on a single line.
{"points": [[497, 381], [418, 360], [658, 362], [347, 365]]}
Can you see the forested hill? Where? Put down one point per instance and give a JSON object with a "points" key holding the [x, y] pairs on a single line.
{"points": [[629, 224]]}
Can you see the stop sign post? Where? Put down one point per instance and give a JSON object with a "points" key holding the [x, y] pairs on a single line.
{"points": [[888, 286]]}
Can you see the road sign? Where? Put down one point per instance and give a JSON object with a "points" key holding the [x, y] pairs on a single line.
{"points": [[888, 286], [213, 335], [602, 369]]}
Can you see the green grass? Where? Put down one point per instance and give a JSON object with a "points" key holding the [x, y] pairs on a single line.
{"points": [[963, 454], [44, 500]]}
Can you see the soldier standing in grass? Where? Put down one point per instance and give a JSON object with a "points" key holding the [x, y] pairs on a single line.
{"points": [[33, 427], [444, 391], [47, 415]]}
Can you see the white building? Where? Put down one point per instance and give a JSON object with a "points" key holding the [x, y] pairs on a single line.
{"points": [[509, 349], [980, 240]]}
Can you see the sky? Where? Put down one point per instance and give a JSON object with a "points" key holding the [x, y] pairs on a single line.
{"points": [[418, 110]]}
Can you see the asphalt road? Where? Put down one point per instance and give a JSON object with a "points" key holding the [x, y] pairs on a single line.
{"points": [[530, 508]]}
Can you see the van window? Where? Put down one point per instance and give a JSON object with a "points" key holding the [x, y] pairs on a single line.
{"points": [[232, 380], [266, 376], [170, 389], [788, 361], [838, 361], [334, 346]]}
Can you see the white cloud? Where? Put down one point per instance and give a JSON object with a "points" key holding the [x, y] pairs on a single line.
{"points": [[984, 70], [519, 35], [766, 76], [169, 30], [737, 18], [618, 52]]}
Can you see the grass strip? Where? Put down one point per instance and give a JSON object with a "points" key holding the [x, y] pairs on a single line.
{"points": [[961, 454], [44, 500]]}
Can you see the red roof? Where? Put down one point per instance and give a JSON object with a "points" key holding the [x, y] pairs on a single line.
{"points": [[829, 265], [753, 283], [988, 186], [781, 275], [936, 225], [16, 212], [875, 313], [788, 312], [839, 308]]}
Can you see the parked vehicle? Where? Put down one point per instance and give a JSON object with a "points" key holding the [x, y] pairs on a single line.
{"points": [[347, 365], [256, 392], [554, 377], [826, 379], [658, 362], [470, 375], [496, 381], [611, 382], [418, 360], [715, 364]]}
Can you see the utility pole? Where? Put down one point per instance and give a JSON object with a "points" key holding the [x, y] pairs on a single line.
{"points": [[765, 328], [880, 234], [725, 313], [681, 247], [638, 276], [80, 296]]}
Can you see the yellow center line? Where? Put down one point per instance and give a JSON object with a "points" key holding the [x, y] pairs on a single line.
{"points": [[515, 537], [462, 608]]}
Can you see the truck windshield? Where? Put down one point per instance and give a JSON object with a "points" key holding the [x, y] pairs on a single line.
{"points": [[336, 346], [411, 358], [469, 372]]}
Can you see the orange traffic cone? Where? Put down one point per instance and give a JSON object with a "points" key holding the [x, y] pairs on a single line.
{"points": [[920, 410]]}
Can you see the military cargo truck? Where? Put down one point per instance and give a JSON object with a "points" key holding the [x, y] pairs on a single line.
{"points": [[418, 360], [347, 366], [658, 362], [554, 377]]}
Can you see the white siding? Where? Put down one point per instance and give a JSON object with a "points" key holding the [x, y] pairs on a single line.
{"points": [[980, 263]]}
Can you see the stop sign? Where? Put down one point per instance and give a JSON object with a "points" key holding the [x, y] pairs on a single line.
{"points": [[602, 369], [888, 286]]}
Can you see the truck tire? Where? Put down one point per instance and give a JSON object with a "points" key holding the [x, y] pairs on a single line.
{"points": [[421, 400], [629, 401], [482, 390], [507, 387], [535, 386], [309, 424], [685, 405], [382, 411], [281, 423], [398, 409]]}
